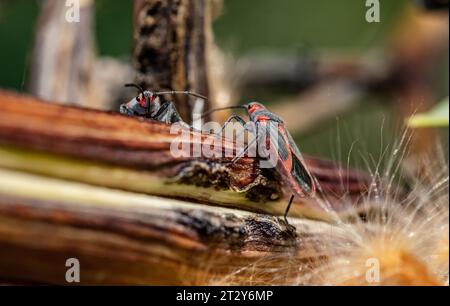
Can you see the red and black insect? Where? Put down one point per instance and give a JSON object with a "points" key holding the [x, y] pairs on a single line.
{"points": [[290, 162], [149, 104]]}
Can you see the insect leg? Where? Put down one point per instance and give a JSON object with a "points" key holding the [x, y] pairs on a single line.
{"points": [[228, 121], [237, 157], [287, 209], [168, 113], [247, 128]]}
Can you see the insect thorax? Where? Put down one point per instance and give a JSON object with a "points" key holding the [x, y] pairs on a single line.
{"points": [[263, 113]]}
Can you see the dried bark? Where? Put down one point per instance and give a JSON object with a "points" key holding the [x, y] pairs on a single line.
{"points": [[171, 42], [147, 241], [76, 183], [71, 141]]}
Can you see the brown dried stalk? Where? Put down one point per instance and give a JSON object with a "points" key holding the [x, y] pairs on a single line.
{"points": [[86, 145], [136, 240], [76, 182]]}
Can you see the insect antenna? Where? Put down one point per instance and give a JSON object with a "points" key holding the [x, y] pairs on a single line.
{"points": [[189, 93], [136, 86]]}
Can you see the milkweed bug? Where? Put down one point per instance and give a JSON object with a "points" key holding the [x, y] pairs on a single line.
{"points": [[290, 162], [148, 104]]}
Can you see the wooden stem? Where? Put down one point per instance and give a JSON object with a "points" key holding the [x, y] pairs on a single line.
{"points": [[80, 183], [124, 238], [87, 145], [170, 48]]}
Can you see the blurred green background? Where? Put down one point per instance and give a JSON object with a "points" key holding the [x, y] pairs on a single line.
{"points": [[246, 26]]}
